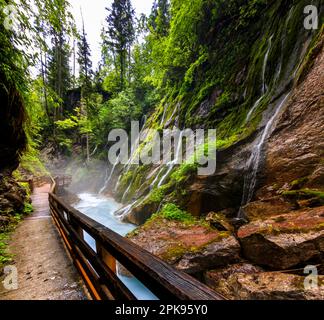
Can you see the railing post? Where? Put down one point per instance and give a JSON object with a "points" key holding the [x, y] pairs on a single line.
{"points": [[106, 257], [74, 224]]}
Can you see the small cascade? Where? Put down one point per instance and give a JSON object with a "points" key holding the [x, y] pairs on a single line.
{"points": [[156, 178], [264, 68], [255, 106], [171, 164], [105, 180], [122, 213], [109, 178], [256, 157], [170, 167], [163, 116], [128, 188], [133, 149], [264, 85]]}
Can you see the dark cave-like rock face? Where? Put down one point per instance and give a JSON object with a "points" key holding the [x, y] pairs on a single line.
{"points": [[12, 119]]}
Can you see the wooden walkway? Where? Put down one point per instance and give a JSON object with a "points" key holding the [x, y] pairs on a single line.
{"points": [[45, 272]]}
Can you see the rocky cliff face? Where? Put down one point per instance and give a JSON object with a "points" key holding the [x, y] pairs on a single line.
{"points": [[270, 120], [12, 140], [241, 107]]}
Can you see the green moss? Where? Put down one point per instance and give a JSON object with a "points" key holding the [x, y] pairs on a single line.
{"points": [[157, 195], [298, 183], [172, 254], [305, 194], [184, 171], [309, 60], [171, 211], [125, 180]]}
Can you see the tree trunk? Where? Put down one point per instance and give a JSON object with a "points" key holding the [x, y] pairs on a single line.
{"points": [[44, 84]]}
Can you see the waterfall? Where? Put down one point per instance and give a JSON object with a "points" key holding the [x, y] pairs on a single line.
{"points": [[171, 164], [133, 150], [163, 116], [256, 157], [264, 85], [109, 178], [105, 180], [265, 62], [255, 106], [156, 178], [122, 213], [128, 188]]}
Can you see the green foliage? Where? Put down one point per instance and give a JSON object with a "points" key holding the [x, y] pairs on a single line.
{"points": [[28, 208], [66, 124], [171, 211], [5, 257], [117, 113], [157, 195], [184, 171], [120, 35]]}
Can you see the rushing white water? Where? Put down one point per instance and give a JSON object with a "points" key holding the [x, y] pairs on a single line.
{"points": [[256, 157], [102, 210]]}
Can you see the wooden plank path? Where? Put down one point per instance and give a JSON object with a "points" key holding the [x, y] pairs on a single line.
{"points": [[45, 272]]}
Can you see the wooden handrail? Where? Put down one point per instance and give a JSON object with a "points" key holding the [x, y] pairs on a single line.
{"points": [[98, 267]]}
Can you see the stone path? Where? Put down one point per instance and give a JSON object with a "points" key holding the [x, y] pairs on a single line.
{"points": [[45, 271]]}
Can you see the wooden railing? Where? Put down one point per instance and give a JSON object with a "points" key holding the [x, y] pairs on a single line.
{"points": [[98, 266]]}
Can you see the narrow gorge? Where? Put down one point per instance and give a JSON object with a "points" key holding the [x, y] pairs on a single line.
{"points": [[251, 70]]}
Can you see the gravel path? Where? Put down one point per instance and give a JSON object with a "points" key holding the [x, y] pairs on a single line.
{"points": [[45, 272]]}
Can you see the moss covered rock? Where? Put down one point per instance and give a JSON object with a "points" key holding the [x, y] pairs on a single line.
{"points": [[187, 243]]}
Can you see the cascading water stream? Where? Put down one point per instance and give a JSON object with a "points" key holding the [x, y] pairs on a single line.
{"points": [[133, 149], [109, 178], [256, 157], [171, 164], [255, 106], [163, 116], [264, 85], [264, 68]]}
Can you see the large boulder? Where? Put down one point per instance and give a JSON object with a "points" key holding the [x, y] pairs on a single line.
{"points": [[192, 248], [139, 214], [12, 196], [265, 286], [286, 240], [267, 207], [220, 252]]}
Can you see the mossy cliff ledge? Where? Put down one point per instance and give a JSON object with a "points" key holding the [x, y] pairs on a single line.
{"points": [[276, 55], [267, 70]]}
